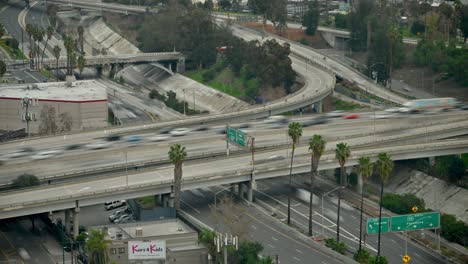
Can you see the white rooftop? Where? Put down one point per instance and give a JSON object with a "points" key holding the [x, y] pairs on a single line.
{"points": [[80, 91]]}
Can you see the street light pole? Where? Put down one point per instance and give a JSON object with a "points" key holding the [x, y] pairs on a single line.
{"points": [[184, 100], [323, 195]]}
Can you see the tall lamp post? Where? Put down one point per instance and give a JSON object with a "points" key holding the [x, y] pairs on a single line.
{"points": [[27, 116], [323, 195]]}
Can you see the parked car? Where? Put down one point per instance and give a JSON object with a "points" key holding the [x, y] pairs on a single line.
{"points": [[351, 116], [336, 113], [125, 218], [114, 204], [99, 145], [117, 214], [181, 131]]}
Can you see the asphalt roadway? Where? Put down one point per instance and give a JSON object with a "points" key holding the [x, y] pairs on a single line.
{"points": [[199, 204], [273, 193]]}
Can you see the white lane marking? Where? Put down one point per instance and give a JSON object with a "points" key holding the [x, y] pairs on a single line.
{"points": [[297, 259], [254, 227], [85, 188], [353, 217], [323, 262], [190, 206], [274, 238], [298, 250], [270, 245]]}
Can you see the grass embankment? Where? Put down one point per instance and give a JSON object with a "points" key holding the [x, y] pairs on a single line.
{"points": [[346, 106], [48, 74], [146, 202], [224, 81], [15, 54]]}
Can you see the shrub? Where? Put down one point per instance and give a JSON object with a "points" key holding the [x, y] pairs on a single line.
{"points": [[208, 75], [353, 179], [454, 230], [339, 247], [25, 180], [362, 256], [402, 204], [304, 41]]}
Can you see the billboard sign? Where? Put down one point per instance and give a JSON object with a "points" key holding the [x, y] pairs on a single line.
{"points": [[147, 249]]}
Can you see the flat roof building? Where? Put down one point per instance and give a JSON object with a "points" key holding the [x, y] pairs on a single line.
{"points": [[53, 107], [180, 240]]}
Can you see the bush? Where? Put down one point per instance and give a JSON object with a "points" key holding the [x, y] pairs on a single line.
{"points": [[12, 43], [402, 204], [353, 179], [339, 247], [304, 41], [381, 260], [417, 28], [362, 256], [454, 230], [25, 180], [208, 75]]}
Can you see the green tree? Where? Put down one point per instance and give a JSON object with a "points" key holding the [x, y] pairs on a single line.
{"points": [[384, 167], [462, 11], [341, 21], [295, 133], [224, 4], [81, 63], [342, 153], [311, 18], [359, 23], [316, 147], [25, 180], [69, 44], [3, 68], [365, 168], [56, 51], [38, 36], [177, 155], [96, 246], [2, 30], [249, 252]]}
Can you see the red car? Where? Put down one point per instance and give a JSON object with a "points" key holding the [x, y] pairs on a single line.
{"points": [[351, 116]]}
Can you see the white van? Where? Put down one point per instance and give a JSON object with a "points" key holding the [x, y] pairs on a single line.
{"points": [[114, 204]]}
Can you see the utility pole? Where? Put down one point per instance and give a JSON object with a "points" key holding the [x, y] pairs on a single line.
{"points": [[26, 103]]}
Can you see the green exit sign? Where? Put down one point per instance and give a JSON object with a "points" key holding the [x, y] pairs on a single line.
{"points": [[373, 225], [415, 221], [236, 136]]}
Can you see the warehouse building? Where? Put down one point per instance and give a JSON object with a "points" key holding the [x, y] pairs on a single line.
{"points": [[55, 107]]}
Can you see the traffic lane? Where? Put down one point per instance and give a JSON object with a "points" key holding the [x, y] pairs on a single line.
{"points": [[290, 250], [392, 245]]}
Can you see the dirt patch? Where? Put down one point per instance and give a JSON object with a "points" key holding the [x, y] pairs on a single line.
{"points": [[125, 25], [271, 93], [295, 34]]}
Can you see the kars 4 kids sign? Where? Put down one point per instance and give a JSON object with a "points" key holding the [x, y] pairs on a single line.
{"points": [[147, 249]]}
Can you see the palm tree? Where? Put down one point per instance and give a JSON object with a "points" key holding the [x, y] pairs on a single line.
{"points": [[295, 132], [316, 146], [80, 37], [177, 155], [365, 170], [342, 153], [56, 52], [69, 44], [96, 245], [38, 35], [49, 32], [384, 166]]}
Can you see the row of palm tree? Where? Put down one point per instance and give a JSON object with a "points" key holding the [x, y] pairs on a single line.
{"points": [[36, 35], [384, 166]]}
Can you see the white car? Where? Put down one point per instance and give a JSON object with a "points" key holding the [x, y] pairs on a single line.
{"points": [[117, 214], [124, 219], [384, 116], [99, 145], [158, 138], [46, 154], [404, 110], [392, 110], [337, 113], [114, 204], [182, 131]]}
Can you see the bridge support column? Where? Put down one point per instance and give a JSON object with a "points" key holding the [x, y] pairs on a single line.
{"points": [[67, 221], [250, 188], [318, 106], [240, 190], [181, 65], [76, 222]]}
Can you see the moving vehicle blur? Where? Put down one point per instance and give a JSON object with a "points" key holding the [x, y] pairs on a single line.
{"points": [[336, 113], [314, 121], [158, 138], [351, 116], [46, 154], [98, 145], [181, 131], [440, 104]]}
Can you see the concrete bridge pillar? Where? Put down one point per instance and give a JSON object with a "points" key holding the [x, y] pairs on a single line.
{"points": [[250, 188], [240, 190], [67, 221], [181, 65], [106, 70], [318, 106], [76, 222]]}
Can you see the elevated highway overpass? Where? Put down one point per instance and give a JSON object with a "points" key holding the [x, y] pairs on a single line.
{"points": [[199, 175]]}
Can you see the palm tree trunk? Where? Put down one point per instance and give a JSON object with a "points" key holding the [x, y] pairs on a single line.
{"points": [[311, 191], [380, 221], [290, 185], [338, 217], [360, 221], [178, 172], [56, 70], [43, 51]]}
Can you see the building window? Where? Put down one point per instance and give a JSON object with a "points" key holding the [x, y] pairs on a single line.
{"points": [[113, 251], [121, 250]]}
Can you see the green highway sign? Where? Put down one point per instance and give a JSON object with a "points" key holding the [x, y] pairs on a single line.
{"points": [[415, 221], [240, 138], [373, 225], [236, 136]]}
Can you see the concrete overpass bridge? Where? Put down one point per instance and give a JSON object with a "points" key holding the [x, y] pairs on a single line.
{"points": [[103, 60], [234, 170], [101, 6]]}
